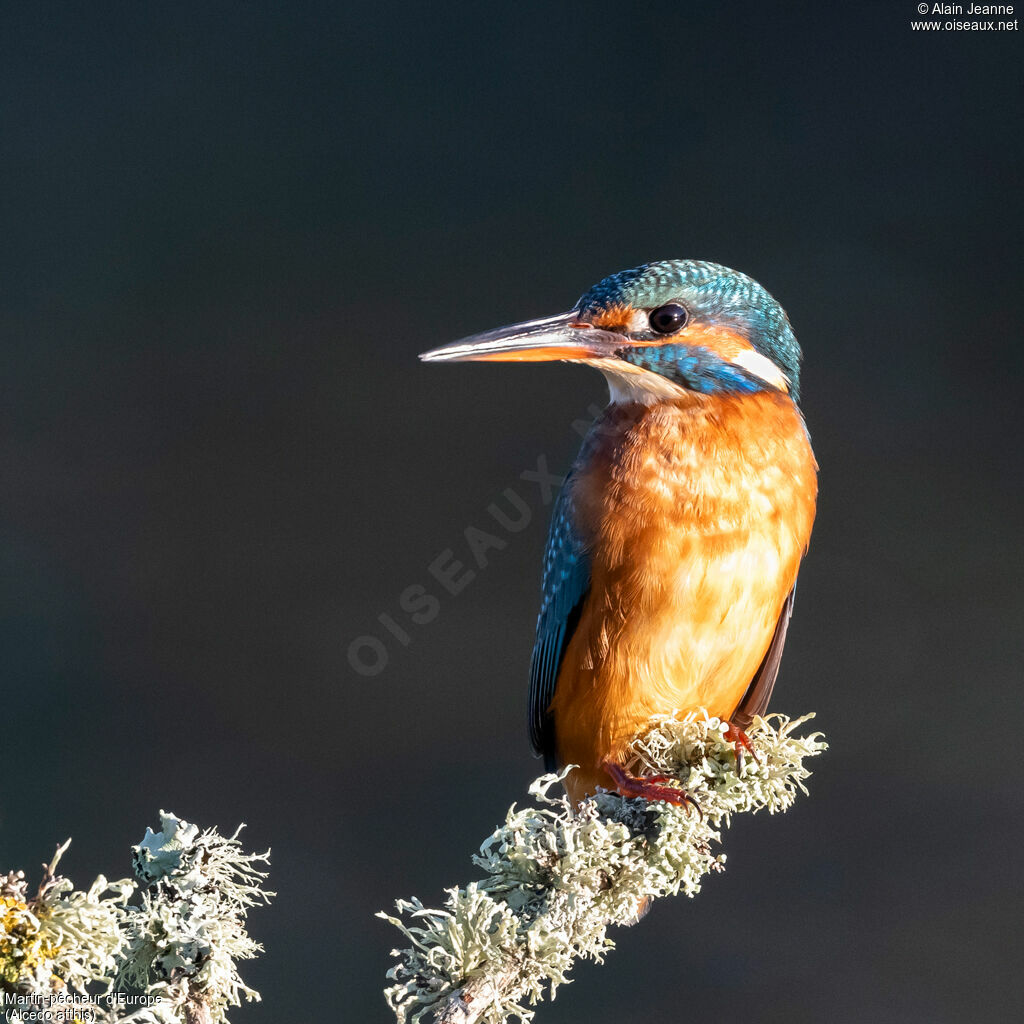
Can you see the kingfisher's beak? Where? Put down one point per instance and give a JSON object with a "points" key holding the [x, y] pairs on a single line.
{"points": [[555, 337]]}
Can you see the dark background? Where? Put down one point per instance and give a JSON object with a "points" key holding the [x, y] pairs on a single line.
{"points": [[227, 232]]}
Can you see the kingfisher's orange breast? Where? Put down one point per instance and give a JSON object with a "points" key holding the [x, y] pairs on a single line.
{"points": [[695, 515]]}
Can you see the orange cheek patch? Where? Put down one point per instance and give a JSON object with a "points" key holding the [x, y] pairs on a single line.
{"points": [[725, 344], [722, 341]]}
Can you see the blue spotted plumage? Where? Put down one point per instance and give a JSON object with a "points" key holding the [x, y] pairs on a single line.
{"points": [[566, 580]]}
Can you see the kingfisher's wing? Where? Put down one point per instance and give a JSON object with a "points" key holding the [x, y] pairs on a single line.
{"points": [[566, 582], [755, 700]]}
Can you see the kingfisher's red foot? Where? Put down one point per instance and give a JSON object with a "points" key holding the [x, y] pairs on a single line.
{"points": [[649, 787], [740, 741]]}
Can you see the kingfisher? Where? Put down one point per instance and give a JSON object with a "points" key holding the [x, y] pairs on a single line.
{"points": [[675, 542]]}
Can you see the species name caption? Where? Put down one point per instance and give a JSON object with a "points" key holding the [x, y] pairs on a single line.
{"points": [[65, 1006]]}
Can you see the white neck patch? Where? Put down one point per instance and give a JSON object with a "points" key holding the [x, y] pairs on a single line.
{"points": [[629, 383], [762, 368]]}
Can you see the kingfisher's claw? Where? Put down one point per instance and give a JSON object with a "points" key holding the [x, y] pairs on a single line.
{"points": [[740, 741], [650, 787]]}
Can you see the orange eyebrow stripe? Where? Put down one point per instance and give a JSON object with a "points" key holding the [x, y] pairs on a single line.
{"points": [[723, 341], [615, 318]]}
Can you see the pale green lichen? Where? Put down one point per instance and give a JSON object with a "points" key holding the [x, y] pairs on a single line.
{"points": [[557, 877], [170, 958], [60, 937], [189, 933]]}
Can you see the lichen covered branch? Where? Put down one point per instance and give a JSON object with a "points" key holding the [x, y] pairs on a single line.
{"points": [[555, 877], [169, 958]]}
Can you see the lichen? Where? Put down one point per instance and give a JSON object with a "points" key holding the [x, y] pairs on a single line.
{"points": [[60, 937], [169, 958], [185, 940], [24, 950], [556, 877]]}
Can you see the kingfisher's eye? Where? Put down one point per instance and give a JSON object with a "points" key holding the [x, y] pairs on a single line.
{"points": [[668, 319]]}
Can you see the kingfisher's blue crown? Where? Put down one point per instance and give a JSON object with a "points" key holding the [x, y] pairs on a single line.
{"points": [[715, 295]]}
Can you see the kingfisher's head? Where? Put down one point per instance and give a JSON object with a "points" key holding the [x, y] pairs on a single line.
{"points": [[659, 331]]}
